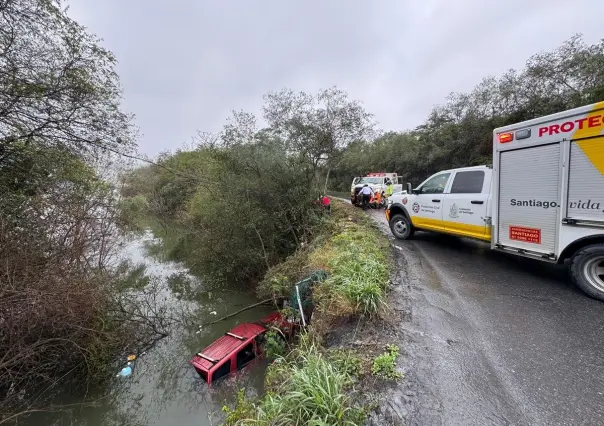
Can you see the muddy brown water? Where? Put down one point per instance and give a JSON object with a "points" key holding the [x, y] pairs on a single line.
{"points": [[164, 389]]}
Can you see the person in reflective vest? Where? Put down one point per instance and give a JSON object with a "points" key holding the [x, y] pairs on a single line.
{"points": [[389, 188]]}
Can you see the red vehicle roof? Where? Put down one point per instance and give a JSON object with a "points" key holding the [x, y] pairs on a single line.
{"points": [[227, 344]]}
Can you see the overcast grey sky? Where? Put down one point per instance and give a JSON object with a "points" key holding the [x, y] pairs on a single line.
{"points": [[185, 64]]}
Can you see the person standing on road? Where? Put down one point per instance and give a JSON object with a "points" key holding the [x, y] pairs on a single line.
{"points": [[389, 188], [366, 192]]}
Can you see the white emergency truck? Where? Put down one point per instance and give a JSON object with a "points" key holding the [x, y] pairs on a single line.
{"points": [[377, 182], [543, 197]]}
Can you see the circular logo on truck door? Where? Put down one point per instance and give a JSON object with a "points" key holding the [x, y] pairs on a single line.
{"points": [[415, 207]]}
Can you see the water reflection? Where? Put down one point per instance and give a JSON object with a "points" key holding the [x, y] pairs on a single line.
{"points": [[164, 389]]}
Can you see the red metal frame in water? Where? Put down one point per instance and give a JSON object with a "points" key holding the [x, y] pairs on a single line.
{"points": [[236, 349]]}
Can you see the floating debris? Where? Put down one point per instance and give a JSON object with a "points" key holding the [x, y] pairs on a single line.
{"points": [[125, 372]]}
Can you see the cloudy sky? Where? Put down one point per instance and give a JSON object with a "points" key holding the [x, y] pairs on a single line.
{"points": [[185, 64]]}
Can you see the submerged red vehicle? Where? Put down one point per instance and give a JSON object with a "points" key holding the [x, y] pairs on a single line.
{"points": [[235, 349]]}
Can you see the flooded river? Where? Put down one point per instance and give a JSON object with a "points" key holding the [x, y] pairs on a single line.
{"points": [[164, 389]]}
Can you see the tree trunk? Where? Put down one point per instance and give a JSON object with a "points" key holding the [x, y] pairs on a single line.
{"points": [[326, 180]]}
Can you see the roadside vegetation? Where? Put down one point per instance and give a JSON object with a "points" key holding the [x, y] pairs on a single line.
{"points": [[64, 310], [357, 260], [313, 383], [306, 387], [385, 364], [243, 198]]}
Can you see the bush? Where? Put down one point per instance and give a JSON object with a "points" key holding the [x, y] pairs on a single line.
{"points": [[311, 389], [347, 361], [241, 208], [275, 345], [305, 388], [133, 211], [385, 364]]}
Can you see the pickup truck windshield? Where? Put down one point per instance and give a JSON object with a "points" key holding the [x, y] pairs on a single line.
{"points": [[371, 180]]}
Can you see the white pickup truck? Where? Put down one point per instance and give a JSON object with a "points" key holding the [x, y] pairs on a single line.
{"points": [[543, 198]]}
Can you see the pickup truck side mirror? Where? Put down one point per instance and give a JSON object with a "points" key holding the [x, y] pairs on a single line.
{"points": [[409, 188]]}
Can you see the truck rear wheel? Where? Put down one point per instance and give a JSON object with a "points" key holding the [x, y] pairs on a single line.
{"points": [[401, 227], [587, 270]]}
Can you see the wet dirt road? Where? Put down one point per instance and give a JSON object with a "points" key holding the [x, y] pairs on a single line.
{"points": [[493, 339]]}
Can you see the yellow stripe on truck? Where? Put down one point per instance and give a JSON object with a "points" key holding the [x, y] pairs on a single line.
{"points": [[453, 228], [426, 223], [593, 148]]}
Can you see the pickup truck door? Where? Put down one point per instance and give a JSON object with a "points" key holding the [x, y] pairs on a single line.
{"points": [[465, 206], [425, 207]]}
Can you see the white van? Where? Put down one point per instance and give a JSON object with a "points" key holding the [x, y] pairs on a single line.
{"points": [[543, 198]]}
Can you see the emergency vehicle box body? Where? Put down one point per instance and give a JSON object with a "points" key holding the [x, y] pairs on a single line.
{"points": [[548, 182]]}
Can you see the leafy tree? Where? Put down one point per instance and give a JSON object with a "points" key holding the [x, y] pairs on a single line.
{"points": [[244, 197], [59, 117], [317, 126], [245, 206], [58, 87]]}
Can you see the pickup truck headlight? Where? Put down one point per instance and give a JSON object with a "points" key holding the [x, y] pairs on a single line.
{"points": [[389, 202]]}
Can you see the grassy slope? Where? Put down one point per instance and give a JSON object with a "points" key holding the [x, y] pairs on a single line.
{"points": [[314, 384]]}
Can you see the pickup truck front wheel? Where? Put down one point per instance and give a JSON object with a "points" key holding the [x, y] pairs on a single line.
{"points": [[587, 270], [401, 227]]}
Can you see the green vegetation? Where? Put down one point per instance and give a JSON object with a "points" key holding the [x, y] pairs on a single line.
{"points": [[385, 364], [62, 314], [243, 198], [305, 388], [347, 361], [356, 257], [459, 132], [243, 410], [357, 260], [133, 212], [314, 385], [275, 345], [242, 201]]}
